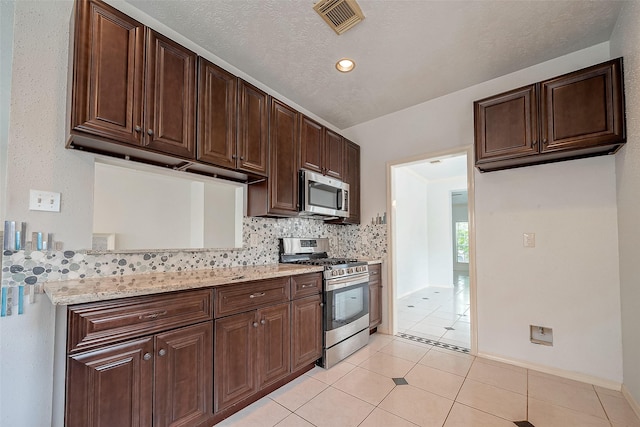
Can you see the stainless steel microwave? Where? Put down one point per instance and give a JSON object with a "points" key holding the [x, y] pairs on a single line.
{"points": [[322, 195]]}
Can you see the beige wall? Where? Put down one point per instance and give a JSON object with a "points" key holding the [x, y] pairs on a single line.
{"points": [[626, 42]]}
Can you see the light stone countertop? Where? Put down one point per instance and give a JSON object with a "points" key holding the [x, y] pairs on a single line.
{"points": [[105, 288]]}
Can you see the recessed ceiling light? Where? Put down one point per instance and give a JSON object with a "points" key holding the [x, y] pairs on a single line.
{"points": [[345, 65]]}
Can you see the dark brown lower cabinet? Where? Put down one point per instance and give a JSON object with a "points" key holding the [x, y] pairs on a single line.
{"points": [[111, 386], [306, 337], [375, 296], [252, 351], [116, 385]]}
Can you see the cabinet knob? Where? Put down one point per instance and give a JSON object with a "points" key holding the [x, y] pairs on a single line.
{"points": [[241, 157], [534, 144], [150, 132], [321, 304], [255, 324], [147, 356], [262, 322], [233, 156], [138, 128], [162, 352]]}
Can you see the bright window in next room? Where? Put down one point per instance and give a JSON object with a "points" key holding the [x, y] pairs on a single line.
{"points": [[462, 241]]}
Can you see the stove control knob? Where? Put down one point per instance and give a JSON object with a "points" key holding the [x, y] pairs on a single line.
{"points": [[351, 270], [335, 272]]}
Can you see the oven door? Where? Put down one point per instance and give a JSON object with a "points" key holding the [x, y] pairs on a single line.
{"points": [[346, 309]]}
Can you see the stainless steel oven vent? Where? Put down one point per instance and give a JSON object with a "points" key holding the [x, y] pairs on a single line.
{"points": [[340, 15]]}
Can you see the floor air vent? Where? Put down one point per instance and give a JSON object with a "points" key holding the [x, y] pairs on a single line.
{"points": [[340, 15]]}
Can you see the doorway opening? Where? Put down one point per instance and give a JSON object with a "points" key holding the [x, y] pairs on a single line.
{"points": [[432, 256]]}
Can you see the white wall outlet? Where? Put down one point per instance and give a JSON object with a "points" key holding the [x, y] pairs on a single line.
{"points": [[44, 201], [529, 240], [253, 240]]}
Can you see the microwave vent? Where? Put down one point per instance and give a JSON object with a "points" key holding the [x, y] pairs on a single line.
{"points": [[340, 15]]}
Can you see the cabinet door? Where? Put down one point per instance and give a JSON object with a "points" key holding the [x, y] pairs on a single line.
{"points": [[306, 337], [170, 97], [253, 129], [283, 174], [183, 376], [234, 369], [311, 145], [216, 115], [274, 343], [334, 155], [375, 296], [506, 125], [352, 177], [107, 73], [111, 386], [583, 109]]}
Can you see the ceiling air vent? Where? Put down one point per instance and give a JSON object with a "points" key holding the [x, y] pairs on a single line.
{"points": [[339, 14]]}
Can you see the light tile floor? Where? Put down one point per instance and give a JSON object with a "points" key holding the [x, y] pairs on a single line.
{"points": [[445, 388], [428, 313]]}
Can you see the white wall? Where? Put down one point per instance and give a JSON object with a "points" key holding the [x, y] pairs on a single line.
{"points": [[459, 213], [6, 51], [625, 42], [512, 292], [568, 282], [412, 238], [36, 159], [439, 218]]}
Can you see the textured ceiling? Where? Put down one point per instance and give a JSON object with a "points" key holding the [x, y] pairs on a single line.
{"points": [[406, 51]]}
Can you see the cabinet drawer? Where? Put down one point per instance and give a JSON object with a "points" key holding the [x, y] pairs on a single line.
{"points": [[306, 285], [248, 296], [95, 324]]}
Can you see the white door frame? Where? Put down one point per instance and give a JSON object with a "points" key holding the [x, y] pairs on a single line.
{"points": [[391, 273]]}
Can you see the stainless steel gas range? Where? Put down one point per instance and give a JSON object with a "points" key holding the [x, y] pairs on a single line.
{"points": [[345, 296]]}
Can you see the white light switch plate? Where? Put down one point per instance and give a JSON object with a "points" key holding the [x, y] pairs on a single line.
{"points": [[44, 201], [529, 240]]}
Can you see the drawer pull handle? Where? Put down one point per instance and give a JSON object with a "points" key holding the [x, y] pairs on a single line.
{"points": [[259, 294], [147, 356], [310, 285], [162, 352], [152, 315]]}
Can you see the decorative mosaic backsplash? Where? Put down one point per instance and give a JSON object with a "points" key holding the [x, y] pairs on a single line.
{"points": [[33, 268]]}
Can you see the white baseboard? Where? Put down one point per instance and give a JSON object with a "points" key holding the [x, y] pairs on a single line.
{"points": [[632, 402], [577, 376]]}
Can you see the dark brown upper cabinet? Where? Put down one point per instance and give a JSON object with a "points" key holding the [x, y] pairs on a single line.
{"points": [[351, 168], [170, 107], [283, 174], [130, 85], [278, 194], [217, 108], [321, 150], [233, 121], [580, 114], [253, 129], [333, 154], [108, 63], [352, 177], [583, 109]]}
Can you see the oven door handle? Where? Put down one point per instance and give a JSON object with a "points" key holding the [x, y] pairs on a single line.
{"points": [[335, 284]]}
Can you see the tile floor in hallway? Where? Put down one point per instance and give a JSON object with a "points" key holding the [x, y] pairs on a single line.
{"points": [[444, 388], [437, 313]]}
